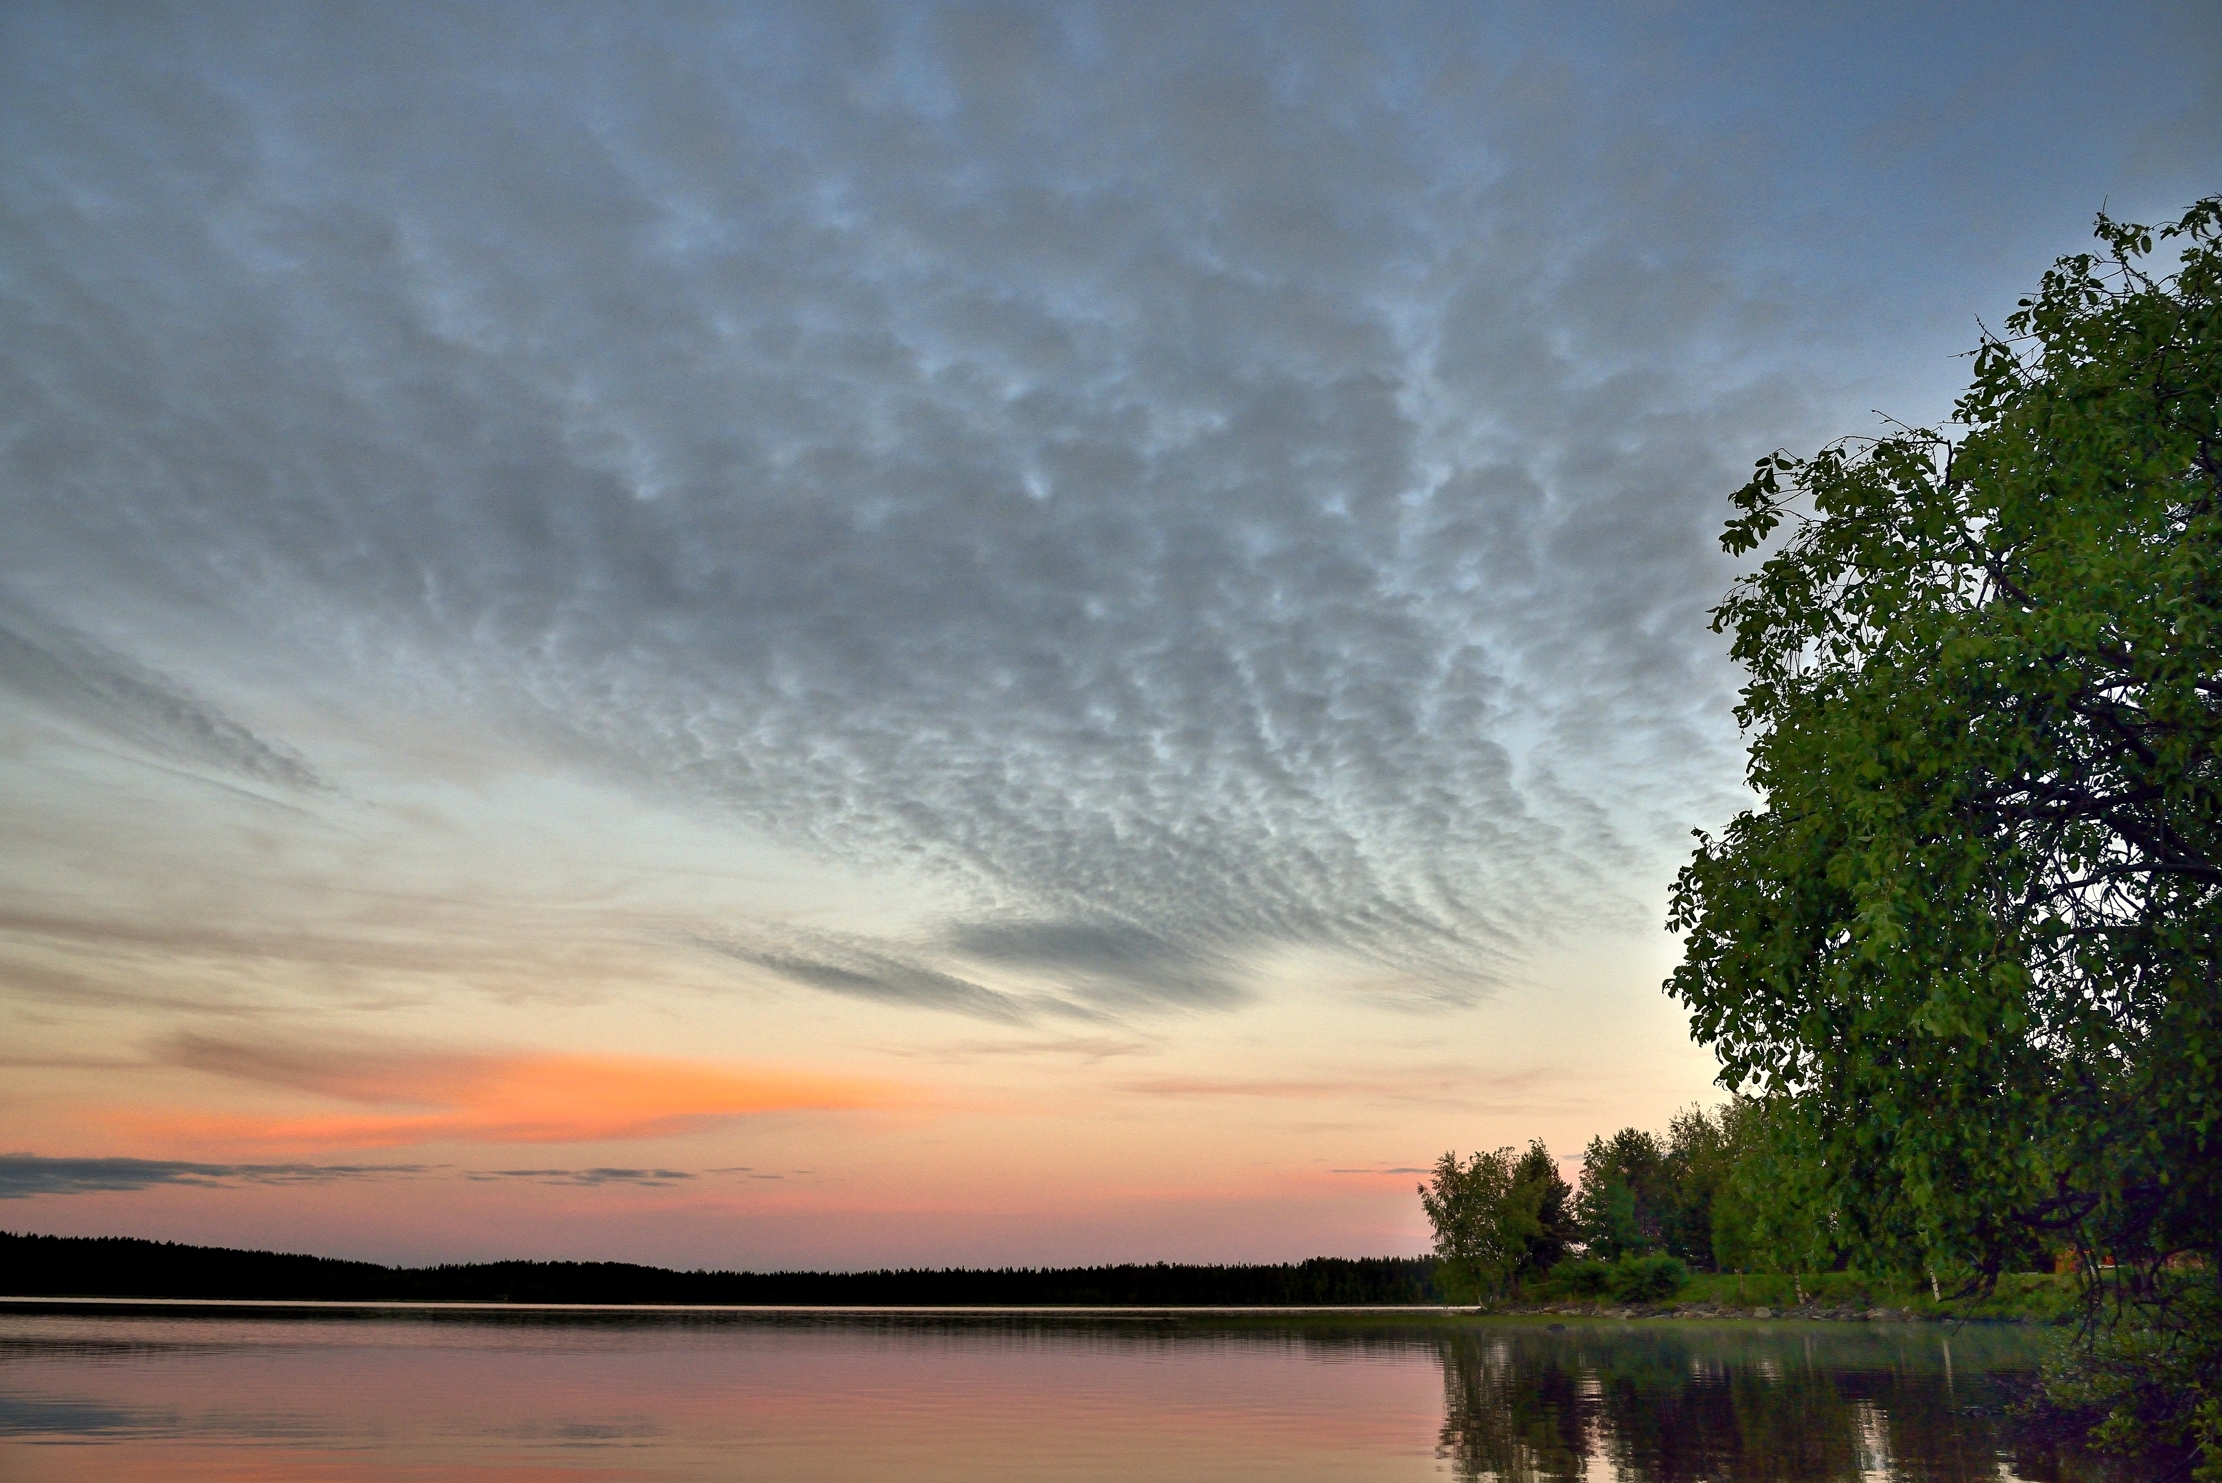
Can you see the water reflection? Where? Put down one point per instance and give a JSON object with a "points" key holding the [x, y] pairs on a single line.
{"points": [[1664, 1403], [717, 1396]]}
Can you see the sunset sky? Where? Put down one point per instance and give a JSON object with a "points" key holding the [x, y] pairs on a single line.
{"points": [[835, 636]]}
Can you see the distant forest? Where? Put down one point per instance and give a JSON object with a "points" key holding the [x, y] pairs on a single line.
{"points": [[121, 1267]]}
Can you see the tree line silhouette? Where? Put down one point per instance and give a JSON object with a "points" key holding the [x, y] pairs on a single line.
{"points": [[123, 1267]]}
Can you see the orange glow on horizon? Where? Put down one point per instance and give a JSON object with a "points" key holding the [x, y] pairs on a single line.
{"points": [[540, 1098]]}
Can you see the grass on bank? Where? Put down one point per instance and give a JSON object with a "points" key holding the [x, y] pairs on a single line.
{"points": [[2035, 1297]]}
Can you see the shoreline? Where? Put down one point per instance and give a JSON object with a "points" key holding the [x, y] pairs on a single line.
{"points": [[1805, 1313], [89, 1304], [1427, 1315]]}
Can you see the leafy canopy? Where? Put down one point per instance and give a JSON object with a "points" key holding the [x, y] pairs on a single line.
{"points": [[1556, 1228], [1486, 1218], [1970, 946]]}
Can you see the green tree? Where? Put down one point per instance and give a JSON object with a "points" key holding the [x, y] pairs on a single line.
{"points": [[1485, 1219], [1700, 1161], [1556, 1230], [1625, 1195], [1970, 945], [1732, 1221]]}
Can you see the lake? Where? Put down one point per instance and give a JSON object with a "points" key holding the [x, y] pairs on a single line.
{"points": [[517, 1396]]}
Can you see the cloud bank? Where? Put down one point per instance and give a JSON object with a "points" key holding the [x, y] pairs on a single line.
{"points": [[1191, 486], [1158, 487]]}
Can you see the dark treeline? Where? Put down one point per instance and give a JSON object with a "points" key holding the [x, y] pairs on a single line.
{"points": [[120, 1267]]}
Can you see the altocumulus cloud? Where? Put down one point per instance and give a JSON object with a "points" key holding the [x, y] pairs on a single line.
{"points": [[1194, 482]]}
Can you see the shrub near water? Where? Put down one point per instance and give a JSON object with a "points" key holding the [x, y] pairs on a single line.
{"points": [[1632, 1279], [1582, 1279], [1648, 1279]]}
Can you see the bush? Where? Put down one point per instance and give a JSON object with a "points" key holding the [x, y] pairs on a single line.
{"points": [[1583, 1279], [1632, 1279], [2145, 1384], [1458, 1284], [1647, 1279]]}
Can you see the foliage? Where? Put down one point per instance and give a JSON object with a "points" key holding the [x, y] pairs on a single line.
{"points": [[1767, 1216], [1626, 1194], [1741, 1192], [2149, 1382], [1647, 1279], [1485, 1218], [1642, 1194], [1556, 1228], [1969, 950], [1586, 1278], [1700, 1158], [1631, 1279]]}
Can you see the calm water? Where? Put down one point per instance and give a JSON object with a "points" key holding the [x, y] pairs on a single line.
{"points": [[540, 1397]]}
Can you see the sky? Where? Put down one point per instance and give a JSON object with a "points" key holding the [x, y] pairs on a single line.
{"points": [[846, 636]]}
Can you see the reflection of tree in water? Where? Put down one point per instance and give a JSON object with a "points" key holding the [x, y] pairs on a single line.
{"points": [[1510, 1412], [1722, 1421], [1524, 1405]]}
